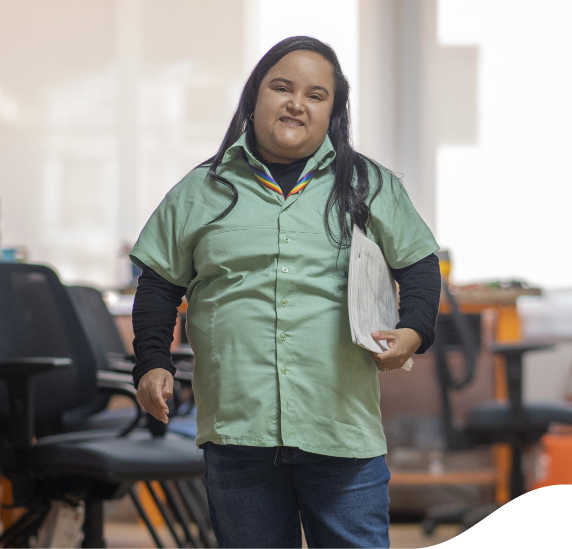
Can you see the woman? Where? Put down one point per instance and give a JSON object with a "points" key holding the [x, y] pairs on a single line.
{"points": [[257, 238]]}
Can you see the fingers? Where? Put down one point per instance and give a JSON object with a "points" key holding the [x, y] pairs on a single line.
{"points": [[402, 343], [383, 334], [155, 388], [388, 360]]}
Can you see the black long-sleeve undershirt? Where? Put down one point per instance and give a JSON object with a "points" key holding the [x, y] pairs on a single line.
{"points": [[154, 319], [419, 295], [156, 302]]}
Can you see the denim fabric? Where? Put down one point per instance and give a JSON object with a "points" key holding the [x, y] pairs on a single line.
{"points": [[257, 497]]}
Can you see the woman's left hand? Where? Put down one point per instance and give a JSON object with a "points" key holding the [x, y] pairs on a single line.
{"points": [[402, 343]]}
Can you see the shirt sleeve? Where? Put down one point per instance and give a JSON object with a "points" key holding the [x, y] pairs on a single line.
{"points": [[419, 295], [396, 226], [159, 244], [154, 319]]}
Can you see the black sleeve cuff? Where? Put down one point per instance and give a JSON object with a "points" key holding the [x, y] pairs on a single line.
{"points": [[150, 362]]}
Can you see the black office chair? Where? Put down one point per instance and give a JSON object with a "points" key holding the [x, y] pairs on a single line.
{"points": [[103, 333], [38, 326], [510, 422], [101, 329]]}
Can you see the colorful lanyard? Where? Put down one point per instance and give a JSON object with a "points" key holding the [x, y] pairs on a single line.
{"points": [[270, 183]]}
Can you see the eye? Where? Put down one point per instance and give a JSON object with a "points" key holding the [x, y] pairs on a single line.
{"points": [[281, 89], [316, 97]]}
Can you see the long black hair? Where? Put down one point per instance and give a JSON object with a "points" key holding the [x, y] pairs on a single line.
{"points": [[346, 196]]}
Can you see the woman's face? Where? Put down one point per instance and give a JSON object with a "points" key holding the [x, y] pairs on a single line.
{"points": [[293, 107]]}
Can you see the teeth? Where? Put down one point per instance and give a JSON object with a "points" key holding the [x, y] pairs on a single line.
{"points": [[291, 120]]}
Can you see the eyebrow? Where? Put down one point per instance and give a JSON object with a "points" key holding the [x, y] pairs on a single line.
{"points": [[290, 83]]}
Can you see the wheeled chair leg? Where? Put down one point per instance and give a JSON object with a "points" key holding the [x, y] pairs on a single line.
{"points": [[196, 511], [180, 515], [143, 514], [166, 514]]}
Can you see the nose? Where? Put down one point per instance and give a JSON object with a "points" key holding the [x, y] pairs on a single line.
{"points": [[296, 105]]}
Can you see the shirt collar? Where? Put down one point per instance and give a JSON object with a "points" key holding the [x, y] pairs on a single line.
{"points": [[322, 157]]}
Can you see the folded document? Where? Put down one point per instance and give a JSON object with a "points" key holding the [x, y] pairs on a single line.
{"points": [[372, 294]]}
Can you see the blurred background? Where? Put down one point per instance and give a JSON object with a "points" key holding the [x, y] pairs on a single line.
{"points": [[107, 104]]}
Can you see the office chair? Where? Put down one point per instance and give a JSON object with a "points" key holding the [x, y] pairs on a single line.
{"points": [[186, 498], [511, 422], [99, 326], [49, 370]]}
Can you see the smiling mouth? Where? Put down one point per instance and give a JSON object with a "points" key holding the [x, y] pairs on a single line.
{"points": [[291, 121]]}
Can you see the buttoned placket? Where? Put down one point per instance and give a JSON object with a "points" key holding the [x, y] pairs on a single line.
{"points": [[285, 314], [285, 305], [286, 311]]}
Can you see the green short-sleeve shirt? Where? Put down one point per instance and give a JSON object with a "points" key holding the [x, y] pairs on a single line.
{"points": [[267, 294]]}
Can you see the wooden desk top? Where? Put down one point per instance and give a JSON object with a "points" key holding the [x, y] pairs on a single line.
{"points": [[487, 296]]}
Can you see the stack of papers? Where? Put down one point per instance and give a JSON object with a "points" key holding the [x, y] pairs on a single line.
{"points": [[372, 294]]}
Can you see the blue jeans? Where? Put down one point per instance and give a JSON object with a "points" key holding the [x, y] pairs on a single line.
{"points": [[257, 497]]}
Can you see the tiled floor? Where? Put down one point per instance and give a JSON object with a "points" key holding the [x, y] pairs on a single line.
{"points": [[402, 536]]}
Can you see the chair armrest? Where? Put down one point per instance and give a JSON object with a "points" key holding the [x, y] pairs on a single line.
{"points": [[17, 374], [119, 363], [30, 366], [120, 384], [512, 353]]}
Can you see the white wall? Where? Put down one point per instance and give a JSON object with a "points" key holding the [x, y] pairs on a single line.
{"points": [[504, 204], [104, 106]]}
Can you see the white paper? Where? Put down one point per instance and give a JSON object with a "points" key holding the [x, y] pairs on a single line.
{"points": [[372, 294]]}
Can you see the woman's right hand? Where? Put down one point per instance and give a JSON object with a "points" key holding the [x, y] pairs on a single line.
{"points": [[155, 388]]}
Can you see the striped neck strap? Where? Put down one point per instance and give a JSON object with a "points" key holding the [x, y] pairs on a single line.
{"points": [[269, 182]]}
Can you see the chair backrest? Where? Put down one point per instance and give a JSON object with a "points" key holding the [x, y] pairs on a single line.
{"points": [[37, 319], [94, 313], [455, 332]]}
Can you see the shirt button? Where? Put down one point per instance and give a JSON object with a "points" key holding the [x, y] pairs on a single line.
{"points": [[284, 370], [286, 239], [283, 337], [284, 269], [283, 302]]}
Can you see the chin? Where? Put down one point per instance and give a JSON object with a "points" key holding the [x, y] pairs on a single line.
{"points": [[289, 144]]}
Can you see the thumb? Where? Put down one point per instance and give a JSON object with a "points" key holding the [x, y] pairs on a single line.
{"points": [[167, 389], [159, 398]]}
